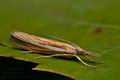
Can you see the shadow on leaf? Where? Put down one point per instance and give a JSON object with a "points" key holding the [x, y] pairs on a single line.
{"points": [[14, 69]]}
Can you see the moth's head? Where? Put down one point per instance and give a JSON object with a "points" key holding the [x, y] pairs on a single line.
{"points": [[86, 53], [80, 51]]}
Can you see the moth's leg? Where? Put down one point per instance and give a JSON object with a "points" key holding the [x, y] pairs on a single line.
{"points": [[3, 44], [93, 60], [83, 61], [27, 51], [55, 55]]}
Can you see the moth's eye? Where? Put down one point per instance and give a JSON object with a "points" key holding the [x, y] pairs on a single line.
{"points": [[78, 51]]}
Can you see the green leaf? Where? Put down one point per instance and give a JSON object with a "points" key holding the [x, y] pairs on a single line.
{"points": [[94, 25]]}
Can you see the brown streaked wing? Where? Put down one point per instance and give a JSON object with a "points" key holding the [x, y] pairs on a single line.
{"points": [[37, 49], [22, 44], [43, 42]]}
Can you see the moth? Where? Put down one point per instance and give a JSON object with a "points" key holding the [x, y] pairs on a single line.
{"points": [[51, 47]]}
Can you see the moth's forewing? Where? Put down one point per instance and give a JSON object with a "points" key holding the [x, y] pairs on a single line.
{"points": [[37, 49], [33, 43]]}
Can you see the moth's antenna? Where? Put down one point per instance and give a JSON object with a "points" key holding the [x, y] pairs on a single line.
{"points": [[3, 44], [93, 60], [63, 40]]}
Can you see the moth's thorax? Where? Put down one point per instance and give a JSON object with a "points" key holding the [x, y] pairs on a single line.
{"points": [[70, 49]]}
